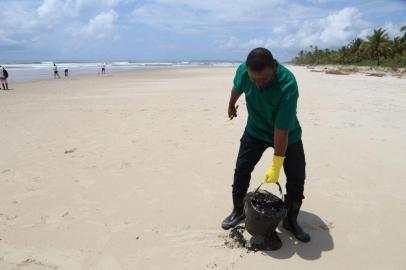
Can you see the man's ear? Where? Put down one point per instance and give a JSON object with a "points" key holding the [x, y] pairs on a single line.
{"points": [[274, 65]]}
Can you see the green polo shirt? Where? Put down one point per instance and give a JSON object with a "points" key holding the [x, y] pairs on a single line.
{"points": [[272, 107]]}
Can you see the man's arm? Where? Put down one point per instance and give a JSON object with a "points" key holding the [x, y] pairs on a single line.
{"points": [[280, 142], [232, 111]]}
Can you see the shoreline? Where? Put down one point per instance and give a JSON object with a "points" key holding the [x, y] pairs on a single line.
{"points": [[47, 74], [118, 72], [327, 69]]}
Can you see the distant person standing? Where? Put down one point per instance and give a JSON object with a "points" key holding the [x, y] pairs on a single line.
{"points": [[3, 78], [103, 68], [56, 74], [66, 72]]}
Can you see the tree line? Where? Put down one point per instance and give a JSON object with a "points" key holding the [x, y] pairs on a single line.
{"points": [[378, 49]]}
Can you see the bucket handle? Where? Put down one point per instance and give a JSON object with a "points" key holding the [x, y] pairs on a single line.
{"points": [[279, 186]]}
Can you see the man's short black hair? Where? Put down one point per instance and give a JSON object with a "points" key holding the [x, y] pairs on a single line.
{"points": [[259, 58]]}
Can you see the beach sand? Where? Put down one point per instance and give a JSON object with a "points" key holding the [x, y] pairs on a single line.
{"points": [[134, 170]]}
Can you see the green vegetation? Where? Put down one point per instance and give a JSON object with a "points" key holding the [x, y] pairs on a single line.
{"points": [[377, 50]]}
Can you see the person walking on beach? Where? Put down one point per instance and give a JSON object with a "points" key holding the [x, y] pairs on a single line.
{"points": [[271, 94], [66, 72], [103, 68], [56, 74], [3, 77]]}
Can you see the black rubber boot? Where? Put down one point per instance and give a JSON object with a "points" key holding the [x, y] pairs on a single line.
{"points": [[237, 214], [290, 221]]}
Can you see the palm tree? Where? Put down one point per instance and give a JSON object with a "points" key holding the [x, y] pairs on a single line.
{"points": [[342, 55], [355, 49], [403, 39], [396, 47], [378, 44], [403, 29]]}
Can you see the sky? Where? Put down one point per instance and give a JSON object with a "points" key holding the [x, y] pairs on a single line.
{"points": [[182, 30]]}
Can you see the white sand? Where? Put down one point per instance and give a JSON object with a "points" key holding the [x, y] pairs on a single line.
{"points": [[146, 179]]}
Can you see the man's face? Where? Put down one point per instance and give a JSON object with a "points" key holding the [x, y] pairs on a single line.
{"points": [[263, 77]]}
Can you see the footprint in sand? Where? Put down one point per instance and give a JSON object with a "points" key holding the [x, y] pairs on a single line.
{"points": [[34, 264]]}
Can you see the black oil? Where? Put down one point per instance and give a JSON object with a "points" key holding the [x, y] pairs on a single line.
{"points": [[237, 240], [266, 203]]}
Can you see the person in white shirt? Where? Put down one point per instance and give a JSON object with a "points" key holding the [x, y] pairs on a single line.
{"points": [[3, 78], [56, 74], [103, 68]]}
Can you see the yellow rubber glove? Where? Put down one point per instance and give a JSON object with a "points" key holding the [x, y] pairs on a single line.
{"points": [[272, 174]]}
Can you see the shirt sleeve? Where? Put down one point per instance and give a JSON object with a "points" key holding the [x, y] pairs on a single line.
{"points": [[238, 80], [286, 114]]}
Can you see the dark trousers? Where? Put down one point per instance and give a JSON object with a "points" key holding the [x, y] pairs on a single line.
{"points": [[251, 150]]}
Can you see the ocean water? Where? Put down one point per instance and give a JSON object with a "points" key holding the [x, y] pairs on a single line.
{"points": [[20, 71]]}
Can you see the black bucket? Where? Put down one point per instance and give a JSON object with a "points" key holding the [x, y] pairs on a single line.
{"points": [[263, 212]]}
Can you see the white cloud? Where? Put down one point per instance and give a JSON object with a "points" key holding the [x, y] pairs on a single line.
{"points": [[293, 26], [365, 32], [236, 43], [46, 20], [50, 8], [72, 8], [392, 29], [341, 26], [189, 14], [227, 26], [278, 29], [78, 6], [102, 25], [17, 18], [334, 30], [331, 31]]}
